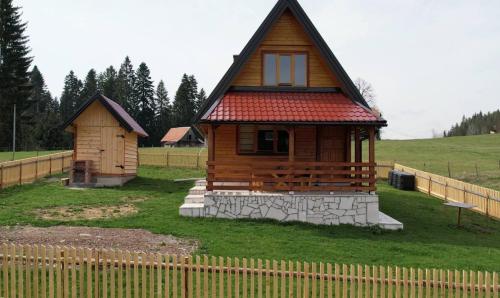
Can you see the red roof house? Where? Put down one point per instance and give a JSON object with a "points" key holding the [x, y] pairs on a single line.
{"points": [[285, 115], [182, 137], [284, 129]]}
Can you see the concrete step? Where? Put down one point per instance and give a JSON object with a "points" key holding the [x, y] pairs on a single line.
{"points": [[388, 223], [198, 190], [200, 183], [192, 210], [194, 199]]}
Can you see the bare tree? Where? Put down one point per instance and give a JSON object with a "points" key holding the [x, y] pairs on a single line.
{"points": [[366, 90]]}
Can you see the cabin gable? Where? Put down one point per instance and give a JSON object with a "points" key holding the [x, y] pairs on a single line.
{"points": [[96, 115], [287, 36]]}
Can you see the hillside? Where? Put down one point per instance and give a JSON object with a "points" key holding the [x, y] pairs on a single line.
{"points": [[463, 154]]}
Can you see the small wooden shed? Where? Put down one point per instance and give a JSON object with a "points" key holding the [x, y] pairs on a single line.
{"points": [[182, 137], [105, 140]]}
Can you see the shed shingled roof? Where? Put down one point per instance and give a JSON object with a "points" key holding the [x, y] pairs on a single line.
{"points": [[115, 109]]}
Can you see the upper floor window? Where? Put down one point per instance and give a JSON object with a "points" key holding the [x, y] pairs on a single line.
{"points": [[285, 69]]}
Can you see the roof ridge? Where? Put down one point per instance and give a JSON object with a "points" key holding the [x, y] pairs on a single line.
{"points": [[279, 8]]}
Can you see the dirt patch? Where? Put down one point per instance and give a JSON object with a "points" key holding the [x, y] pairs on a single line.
{"points": [[99, 238], [134, 199], [69, 213]]}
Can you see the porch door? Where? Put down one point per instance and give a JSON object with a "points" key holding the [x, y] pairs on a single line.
{"points": [[112, 150], [332, 143]]}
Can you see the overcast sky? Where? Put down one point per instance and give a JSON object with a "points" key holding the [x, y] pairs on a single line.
{"points": [[430, 62]]}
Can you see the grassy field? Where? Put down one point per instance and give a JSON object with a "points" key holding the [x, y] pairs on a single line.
{"points": [[7, 156], [430, 238], [462, 153]]}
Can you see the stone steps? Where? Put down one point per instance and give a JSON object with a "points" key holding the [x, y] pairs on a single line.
{"points": [[198, 190], [388, 223], [194, 199], [192, 210], [200, 183]]}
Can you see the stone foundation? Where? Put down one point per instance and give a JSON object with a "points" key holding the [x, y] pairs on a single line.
{"points": [[360, 209]]}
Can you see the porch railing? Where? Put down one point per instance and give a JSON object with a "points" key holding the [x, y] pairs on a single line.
{"points": [[291, 176]]}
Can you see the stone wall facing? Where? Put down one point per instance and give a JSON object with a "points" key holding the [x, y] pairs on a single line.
{"points": [[360, 209]]}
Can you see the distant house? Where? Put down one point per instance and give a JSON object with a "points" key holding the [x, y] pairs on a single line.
{"points": [[182, 137]]}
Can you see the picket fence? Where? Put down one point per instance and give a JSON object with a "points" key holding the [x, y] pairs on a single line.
{"points": [[27, 170], [486, 200], [39, 271]]}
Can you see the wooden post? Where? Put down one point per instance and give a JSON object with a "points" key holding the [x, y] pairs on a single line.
{"points": [[1, 176], [211, 156], [186, 278], [348, 141], [291, 153], [36, 166], [62, 163], [168, 158], [358, 157], [20, 173], [371, 155], [449, 170], [430, 185], [50, 165], [487, 204]]}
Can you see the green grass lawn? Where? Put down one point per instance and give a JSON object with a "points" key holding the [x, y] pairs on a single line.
{"points": [[7, 156], [430, 238], [463, 154]]}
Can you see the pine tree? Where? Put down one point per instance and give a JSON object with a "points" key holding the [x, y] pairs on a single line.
{"points": [[14, 71], [125, 86], [185, 101], [200, 99], [45, 131], [164, 110], [144, 92], [107, 82], [89, 86], [70, 96]]}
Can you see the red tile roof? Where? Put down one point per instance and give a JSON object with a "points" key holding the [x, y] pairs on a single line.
{"points": [[175, 134], [289, 107]]}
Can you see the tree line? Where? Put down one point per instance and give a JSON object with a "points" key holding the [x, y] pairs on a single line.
{"points": [[480, 123], [39, 114], [135, 91]]}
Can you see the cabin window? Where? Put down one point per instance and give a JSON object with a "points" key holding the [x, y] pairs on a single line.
{"points": [[254, 139], [285, 69]]}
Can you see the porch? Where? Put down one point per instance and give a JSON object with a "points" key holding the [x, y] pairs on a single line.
{"points": [[334, 162]]}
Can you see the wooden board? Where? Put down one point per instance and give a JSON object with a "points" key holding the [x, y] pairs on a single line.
{"points": [[287, 35]]}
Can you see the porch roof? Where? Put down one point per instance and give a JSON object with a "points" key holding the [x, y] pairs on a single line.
{"points": [[290, 107]]}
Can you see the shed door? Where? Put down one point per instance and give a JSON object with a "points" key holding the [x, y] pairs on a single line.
{"points": [[112, 150]]}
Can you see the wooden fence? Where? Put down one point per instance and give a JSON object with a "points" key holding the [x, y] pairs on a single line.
{"points": [[38, 271], [171, 159], [487, 200], [27, 170]]}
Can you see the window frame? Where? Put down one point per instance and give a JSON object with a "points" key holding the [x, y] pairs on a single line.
{"points": [[292, 55], [255, 151]]}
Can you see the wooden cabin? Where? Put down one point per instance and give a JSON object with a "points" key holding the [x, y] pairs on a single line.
{"points": [[287, 117], [105, 138], [182, 137]]}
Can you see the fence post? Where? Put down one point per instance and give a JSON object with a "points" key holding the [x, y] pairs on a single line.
{"points": [[449, 170], [50, 165], [487, 204], [20, 173], [62, 163], [430, 183], [1, 176], [186, 278], [36, 167], [168, 157], [446, 191], [198, 160]]}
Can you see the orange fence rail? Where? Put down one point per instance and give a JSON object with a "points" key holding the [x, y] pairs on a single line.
{"points": [[291, 176]]}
